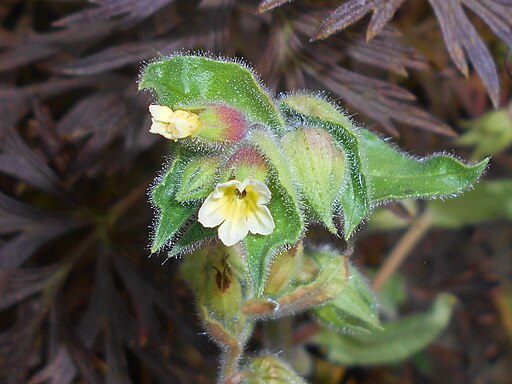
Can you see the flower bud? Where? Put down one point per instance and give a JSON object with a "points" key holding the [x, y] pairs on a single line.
{"points": [[248, 162], [221, 123], [320, 167]]}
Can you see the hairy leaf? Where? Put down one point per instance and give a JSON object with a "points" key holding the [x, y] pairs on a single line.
{"points": [[487, 201], [399, 340], [353, 309], [318, 113], [172, 213], [197, 180], [286, 212], [271, 370], [181, 80], [394, 175]]}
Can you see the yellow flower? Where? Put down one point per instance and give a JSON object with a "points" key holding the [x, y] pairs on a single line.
{"points": [[171, 124], [239, 207]]}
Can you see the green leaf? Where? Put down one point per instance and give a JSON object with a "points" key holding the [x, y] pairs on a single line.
{"points": [[285, 210], [391, 295], [321, 167], [398, 341], [490, 134], [353, 309], [488, 201], [268, 369], [172, 213], [194, 236], [198, 179], [395, 175], [180, 80], [316, 112]]}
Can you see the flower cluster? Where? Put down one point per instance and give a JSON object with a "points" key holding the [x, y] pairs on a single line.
{"points": [[237, 207]]}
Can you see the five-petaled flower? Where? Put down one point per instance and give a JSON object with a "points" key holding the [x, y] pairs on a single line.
{"points": [[238, 207], [171, 124]]}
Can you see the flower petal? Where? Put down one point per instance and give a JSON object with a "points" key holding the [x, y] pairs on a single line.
{"points": [[213, 211], [260, 189], [260, 221], [160, 128], [161, 113], [232, 231], [186, 123]]}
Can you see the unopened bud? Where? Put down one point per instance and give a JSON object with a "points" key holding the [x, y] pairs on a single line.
{"points": [[321, 169]]}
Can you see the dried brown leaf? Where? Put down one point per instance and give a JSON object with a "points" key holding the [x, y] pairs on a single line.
{"points": [[497, 15], [117, 56], [354, 10], [17, 250], [461, 36], [23, 55], [267, 5], [126, 10], [386, 51], [383, 11], [377, 99], [20, 162], [18, 284], [17, 344]]}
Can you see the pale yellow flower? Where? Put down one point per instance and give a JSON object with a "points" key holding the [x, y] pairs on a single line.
{"points": [[238, 207], [171, 124]]}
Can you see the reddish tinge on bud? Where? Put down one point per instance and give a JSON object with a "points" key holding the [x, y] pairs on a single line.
{"points": [[248, 162], [222, 123]]}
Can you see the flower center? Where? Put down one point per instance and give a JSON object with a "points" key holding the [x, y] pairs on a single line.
{"points": [[241, 195]]}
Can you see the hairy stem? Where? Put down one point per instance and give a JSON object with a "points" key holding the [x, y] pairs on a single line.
{"points": [[229, 370]]}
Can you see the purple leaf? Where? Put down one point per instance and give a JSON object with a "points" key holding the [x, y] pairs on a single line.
{"points": [[459, 36], [267, 5]]}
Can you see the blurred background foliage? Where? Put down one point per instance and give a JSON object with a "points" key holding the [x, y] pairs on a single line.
{"points": [[81, 302]]}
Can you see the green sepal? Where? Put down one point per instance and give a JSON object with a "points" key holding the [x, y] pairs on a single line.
{"points": [[269, 369], [217, 287], [198, 178], [260, 248], [323, 277], [180, 80], [314, 278], [283, 270], [316, 112], [395, 175], [285, 210], [353, 309], [320, 169], [172, 214], [398, 341], [191, 239]]}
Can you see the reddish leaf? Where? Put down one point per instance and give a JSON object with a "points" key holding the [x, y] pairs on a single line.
{"points": [[267, 5], [460, 34]]}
